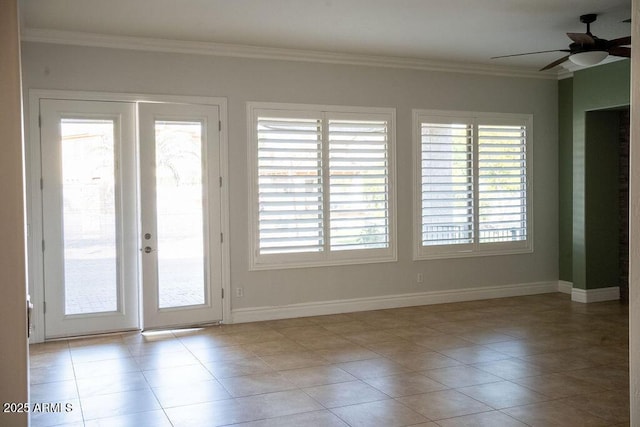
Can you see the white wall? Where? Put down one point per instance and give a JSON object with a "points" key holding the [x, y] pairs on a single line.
{"points": [[634, 229], [242, 80], [13, 322]]}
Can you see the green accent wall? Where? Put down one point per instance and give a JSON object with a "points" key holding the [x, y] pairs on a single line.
{"points": [[588, 263], [565, 177]]}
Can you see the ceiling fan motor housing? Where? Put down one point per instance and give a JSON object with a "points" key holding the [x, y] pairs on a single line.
{"points": [[598, 44]]}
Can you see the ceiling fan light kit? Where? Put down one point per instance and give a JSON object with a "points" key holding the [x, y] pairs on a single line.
{"points": [[589, 58]]}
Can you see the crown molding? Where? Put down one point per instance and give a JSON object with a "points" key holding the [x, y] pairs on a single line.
{"points": [[245, 51], [565, 74]]}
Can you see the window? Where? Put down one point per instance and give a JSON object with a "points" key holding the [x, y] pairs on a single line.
{"points": [[321, 185], [473, 176]]}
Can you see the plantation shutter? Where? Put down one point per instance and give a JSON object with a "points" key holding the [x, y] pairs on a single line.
{"points": [[290, 180], [472, 198], [447, 183], [358, 184], [502, 183], [321, 185]]}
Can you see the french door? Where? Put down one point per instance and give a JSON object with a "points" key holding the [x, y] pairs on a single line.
{"points": [[180, 206], [113, 221]]}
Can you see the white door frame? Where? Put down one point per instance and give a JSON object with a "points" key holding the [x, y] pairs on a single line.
{"points": [[33, 174]]}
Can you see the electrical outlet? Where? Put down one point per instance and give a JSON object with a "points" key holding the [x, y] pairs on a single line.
{"points": [[239, 292], [419, 278]]}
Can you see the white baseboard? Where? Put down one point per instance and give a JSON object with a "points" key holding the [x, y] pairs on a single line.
{"points": [[595, 295], [565, 287], [589, 295], [256, 314]]}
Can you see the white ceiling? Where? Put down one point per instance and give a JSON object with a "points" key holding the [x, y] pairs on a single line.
{"points": [[458, 31]]}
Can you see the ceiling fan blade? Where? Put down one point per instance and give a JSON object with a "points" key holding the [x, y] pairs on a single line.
{"points": [[620, 51], [554, 63], [622, 41], [531, 53], [581, 38]]}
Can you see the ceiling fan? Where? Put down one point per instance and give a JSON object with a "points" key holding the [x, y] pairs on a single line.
{"points": [[586, 48]]}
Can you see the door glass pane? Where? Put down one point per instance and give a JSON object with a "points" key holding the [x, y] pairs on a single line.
{"points": [[89, 222], [179, 189]]}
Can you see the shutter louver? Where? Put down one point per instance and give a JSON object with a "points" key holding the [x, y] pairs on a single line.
{"points": [[290, 197], [502, 184], [358, 184], [447, 184]]}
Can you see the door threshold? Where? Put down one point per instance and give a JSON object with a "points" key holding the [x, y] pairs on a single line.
{"points": [[96, 335], [127, 331], [181, 327]]}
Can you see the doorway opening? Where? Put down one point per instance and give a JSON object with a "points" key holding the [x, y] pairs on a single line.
{"points": [[607, 198]]}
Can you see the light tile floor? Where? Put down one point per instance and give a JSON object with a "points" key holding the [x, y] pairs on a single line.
{"points": [[535, 360]]}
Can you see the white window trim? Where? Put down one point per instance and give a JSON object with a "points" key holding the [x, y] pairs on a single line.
{"points": [[326, 258], [421, 252]]}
